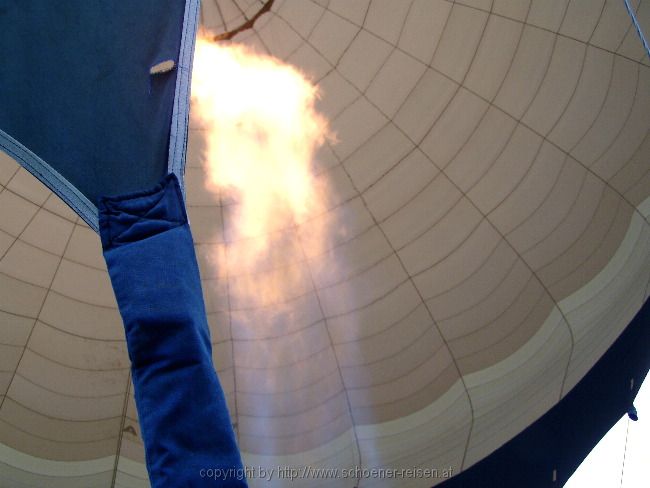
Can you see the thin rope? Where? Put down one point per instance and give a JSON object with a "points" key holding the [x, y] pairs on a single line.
{"points": [[627, 429], [638, 26]]}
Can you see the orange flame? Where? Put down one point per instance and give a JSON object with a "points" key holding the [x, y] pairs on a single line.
{"points": [[262, 131]]}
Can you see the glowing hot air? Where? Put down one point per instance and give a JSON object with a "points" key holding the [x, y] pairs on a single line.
{"points": [[261, 132]]}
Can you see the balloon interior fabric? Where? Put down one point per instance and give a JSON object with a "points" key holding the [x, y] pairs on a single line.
{"points": [[489, 200]]}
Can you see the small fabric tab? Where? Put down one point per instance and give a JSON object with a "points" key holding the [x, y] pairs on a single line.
{"points": [[135, 216]]}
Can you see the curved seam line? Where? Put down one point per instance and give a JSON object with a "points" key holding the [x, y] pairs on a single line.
{"points": [[51, 178]]}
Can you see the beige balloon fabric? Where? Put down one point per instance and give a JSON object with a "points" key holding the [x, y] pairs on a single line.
{"points": [[491, 180]]}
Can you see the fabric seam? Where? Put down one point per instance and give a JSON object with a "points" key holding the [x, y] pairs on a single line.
{"points": [[180, 113], [65, 190], [51, 178]]}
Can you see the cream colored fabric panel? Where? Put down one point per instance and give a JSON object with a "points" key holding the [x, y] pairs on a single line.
{"points": [[55, 205], [65, 405], [527, 71], [612, 114], [227, 14], [586, 101], [481, 198], [20, 298], [359, 254], [611, 299], [88, 285], [569, 211], [512, 9], [48, 231], [425, 104], [337, 81], [200, 197], [443, 236], [454, 127], [15, 478], [421, 213], [385, 18], [46, 467], [363, 289], [534, 189], [8, 169], [512, 394], [15, 329], [62, 451], [433, 437], [408, 178], [494, 56], [70, 315], [83, 248], [417, 385], [382, 152], [17, 212], [496, 332], [274, 31], [24, 184], [340, 452], [301, 16], [633, 180], [422, 28], [631, 135], [508, 171], [332, 47], [481, 150], [6, 241], [359, 121], [557, 88], [310, 61], [644, 208], [131, 474], [581, 18], [41, 427], [457, 46], [29, 264], [382, 445], [592, 249], [78, 352], [352, 212], [547, 14], [483, 317], [613, 26]]}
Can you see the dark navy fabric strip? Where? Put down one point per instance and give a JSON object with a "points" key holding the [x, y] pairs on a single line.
{"points": [[184, 419], [80, 108]]}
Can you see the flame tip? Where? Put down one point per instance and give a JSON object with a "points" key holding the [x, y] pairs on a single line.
{"points": [[262, 133]]}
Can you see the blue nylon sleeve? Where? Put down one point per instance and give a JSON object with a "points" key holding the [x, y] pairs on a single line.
{"points": [[183, 414]]}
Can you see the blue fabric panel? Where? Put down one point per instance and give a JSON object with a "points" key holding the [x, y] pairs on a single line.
{"points": [[563, 437], [183, 414], [75, 87]]}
